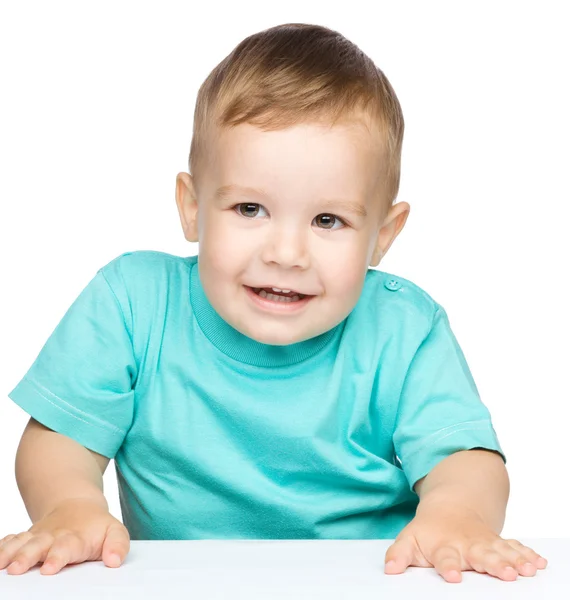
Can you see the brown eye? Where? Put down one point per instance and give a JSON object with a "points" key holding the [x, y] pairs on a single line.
{"points": [[248, 209], [326, 221]]}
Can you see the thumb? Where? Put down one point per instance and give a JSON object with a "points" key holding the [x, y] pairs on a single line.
{"points": [[399, 555], [116, 545]]}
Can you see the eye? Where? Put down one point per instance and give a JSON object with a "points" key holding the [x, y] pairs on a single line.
{"points": [[248, 209], [326, 221]]}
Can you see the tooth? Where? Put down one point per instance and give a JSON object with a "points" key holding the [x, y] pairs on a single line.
{"points": [[278, 298], [276, 289]]}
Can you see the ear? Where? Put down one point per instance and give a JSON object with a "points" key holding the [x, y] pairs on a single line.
{"points": [[391, 227], [187, 203]]}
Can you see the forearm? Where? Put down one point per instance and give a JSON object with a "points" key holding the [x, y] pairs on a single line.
{"points": [[52, 468], [473, 479]]}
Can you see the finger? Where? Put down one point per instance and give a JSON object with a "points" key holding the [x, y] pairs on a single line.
{"points": [[7, 538], [531, 556], [486, 560], [447, 562], [67, 549], [116, 545], [32, 552], [517, 559], [399, 556], [5, 551], [11, 547]]}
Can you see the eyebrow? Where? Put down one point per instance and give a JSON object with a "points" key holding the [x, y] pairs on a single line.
{"points": [[226, 191]]}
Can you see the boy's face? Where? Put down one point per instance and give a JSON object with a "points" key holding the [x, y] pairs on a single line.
{"points": [[314, 231]]}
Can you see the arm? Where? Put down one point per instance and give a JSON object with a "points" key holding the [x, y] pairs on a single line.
{"points": [[473, 479], [51, 468]]}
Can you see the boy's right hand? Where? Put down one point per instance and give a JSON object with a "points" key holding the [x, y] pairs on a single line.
{"points": [[78, 530]]}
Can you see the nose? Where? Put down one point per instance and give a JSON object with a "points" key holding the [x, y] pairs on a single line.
{"points": [[286, 247]]}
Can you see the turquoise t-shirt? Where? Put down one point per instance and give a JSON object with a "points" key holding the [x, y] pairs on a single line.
{"points": [[215, 435]]}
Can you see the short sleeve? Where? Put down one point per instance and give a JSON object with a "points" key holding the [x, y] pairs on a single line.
{"points": [[439, 411], [81, 383]]}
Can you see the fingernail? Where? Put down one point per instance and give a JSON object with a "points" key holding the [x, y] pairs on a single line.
{"points": [[15, 564], [391, 563], [115, 560]]}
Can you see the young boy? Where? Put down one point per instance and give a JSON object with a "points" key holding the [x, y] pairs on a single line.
{"points": [[273, 386]]}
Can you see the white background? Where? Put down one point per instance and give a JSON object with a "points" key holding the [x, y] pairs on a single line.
{"points": [[96, 109]]}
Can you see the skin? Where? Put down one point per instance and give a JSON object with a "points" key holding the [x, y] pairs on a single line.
{"points": [[285, 240], [461, 513], [283, 245]]}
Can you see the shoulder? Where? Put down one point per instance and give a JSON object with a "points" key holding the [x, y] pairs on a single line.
{"points": [[146, 267], [396, 302], [147, 261], [144, 282], [147, 285]]}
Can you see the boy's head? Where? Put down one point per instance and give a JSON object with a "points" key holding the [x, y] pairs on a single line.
{"points": [[303, 118]]}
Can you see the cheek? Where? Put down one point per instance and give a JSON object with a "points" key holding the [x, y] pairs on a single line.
{"points": [[345, 271], [216, 244], [225, 255]]}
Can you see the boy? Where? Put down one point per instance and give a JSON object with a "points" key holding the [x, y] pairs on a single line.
{"points": [[273, 386]]}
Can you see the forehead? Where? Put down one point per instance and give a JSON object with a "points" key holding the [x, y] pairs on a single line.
{"points": [[344, 159], [347, 139]]}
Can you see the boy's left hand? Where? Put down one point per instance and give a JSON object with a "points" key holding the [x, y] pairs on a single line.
{"points": [[453, 539]]}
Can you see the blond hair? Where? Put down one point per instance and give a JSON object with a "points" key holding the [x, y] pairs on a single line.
{"points": [[299, 73]]}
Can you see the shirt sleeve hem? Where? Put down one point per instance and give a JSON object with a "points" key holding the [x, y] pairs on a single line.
{"points": [[464, 436], [94, 434]]}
